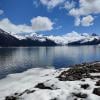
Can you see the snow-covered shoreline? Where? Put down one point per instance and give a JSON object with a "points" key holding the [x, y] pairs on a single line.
{"points": [[52, 84]]}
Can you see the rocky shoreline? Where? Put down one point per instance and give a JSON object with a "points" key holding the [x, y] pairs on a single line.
{"points": [[79, 82], [78, 72]]}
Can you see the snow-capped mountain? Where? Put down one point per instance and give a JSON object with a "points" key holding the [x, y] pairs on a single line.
{"points": [[67, 39], [32, 36], [74, 37], [35, 39], [7, 39]]}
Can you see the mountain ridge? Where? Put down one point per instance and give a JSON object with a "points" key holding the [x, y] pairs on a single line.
{"points": [[34, 39], [7, 40]]}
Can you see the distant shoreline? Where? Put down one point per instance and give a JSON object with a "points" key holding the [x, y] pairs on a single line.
{"points": [[47, 46]]}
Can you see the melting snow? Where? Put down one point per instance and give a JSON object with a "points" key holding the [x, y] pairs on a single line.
{"points": [[61, 90]]}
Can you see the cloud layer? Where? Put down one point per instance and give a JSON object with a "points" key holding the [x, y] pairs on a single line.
{"points": [[8, 26], [38, 24], [51, 3], [84, 13], [69, 5], [86, 8]]}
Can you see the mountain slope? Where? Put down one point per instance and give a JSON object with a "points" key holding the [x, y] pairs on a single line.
{"points": [[34, 39], [7, 40], [11, 40], [93, 42], [76, 39]]}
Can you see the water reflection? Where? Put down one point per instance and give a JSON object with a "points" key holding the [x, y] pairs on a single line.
{"points": [[19, 59]]}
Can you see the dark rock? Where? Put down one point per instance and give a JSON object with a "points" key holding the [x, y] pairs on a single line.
{"points": [[54, 99], [72, 74], [80, 95], [75, 99], [79, 72], [10, 98], [84, 86], [31, 91], [93, 77], [26, 91], [42, 86], [83, 80], [16, 93], [96, 91], [98, 83]]}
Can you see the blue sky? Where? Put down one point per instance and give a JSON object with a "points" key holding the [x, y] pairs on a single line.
{"points": [[60, 17]]}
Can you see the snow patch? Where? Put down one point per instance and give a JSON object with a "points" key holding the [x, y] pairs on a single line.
{"points": [[62, 90]]}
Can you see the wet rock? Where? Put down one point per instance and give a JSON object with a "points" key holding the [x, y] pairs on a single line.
{"points": [[96, 91], [42, 86], [54, 99], [75, 99], [80, 95], [78, 72], [26, 91], [83, 80], [84, 86], [98, 83], [72, 74], [10, 98], [17, 95], [31, 91]]}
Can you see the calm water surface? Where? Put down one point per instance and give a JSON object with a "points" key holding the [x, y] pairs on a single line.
{"points": [[14, 60]]}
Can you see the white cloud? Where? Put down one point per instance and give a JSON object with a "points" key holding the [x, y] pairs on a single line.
{"points": [[38, 24], [87, 21], [77, 21], [69, 5], [42, 24], [74, 12], [86, 7], [51, 3], [35, 3], [1, 12], [8, 26], [84, 21]]}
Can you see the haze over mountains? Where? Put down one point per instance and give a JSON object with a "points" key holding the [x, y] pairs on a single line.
{"points": [[34, 39]]}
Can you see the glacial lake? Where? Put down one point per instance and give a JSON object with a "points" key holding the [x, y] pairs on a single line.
{"points": [[19, 59]]}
